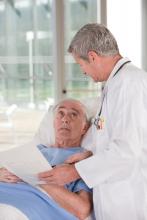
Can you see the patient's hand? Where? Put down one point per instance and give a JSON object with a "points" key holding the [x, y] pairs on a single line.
{"points": [[8, 177], [79, 156]]}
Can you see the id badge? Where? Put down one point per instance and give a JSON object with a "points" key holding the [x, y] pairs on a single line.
{"points": [[99, 122]]}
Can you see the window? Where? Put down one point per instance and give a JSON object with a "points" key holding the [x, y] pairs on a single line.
{"points": [[26, 61], [77, 14], [124, 20]]}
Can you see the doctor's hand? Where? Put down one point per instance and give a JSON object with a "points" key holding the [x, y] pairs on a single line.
{"points": [[60, 175], [78, 157], [8, 177]]}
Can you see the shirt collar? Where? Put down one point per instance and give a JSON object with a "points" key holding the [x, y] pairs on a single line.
{"points": [[117, 66]]}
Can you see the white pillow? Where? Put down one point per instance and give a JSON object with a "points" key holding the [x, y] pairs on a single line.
{"points": [[92, 105], [45, 133]]}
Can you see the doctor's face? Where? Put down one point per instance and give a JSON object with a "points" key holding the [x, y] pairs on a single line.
{"points": [[70, 121], [92, 67]]}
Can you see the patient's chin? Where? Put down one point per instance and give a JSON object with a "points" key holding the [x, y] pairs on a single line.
{"points": [[65, 137], [64, 131]]}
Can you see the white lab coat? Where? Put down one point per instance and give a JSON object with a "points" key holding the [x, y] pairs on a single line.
{"points": [[118, 170]]}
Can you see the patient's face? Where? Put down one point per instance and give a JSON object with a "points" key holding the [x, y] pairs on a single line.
{"points": [[69, 122]]}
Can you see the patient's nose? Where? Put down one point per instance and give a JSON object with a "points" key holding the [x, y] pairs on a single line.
{"points": [[65, 119]]}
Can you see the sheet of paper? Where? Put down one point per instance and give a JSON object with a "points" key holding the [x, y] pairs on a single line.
{"points": [[25, 162]]}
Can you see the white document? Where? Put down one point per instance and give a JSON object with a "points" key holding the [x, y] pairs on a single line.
{"points": [[25, 162]]}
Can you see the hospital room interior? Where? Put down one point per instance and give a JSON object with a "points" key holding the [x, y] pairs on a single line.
{"points": [[36, 71]]}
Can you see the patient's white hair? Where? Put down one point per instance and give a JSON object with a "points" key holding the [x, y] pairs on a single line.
{"points": [[84, 108]]}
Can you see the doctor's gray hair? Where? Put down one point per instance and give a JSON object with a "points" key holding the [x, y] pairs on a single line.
{"points": [[93, 37]]}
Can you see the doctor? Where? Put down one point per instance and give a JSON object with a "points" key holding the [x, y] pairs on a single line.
{"points": [[119, 131]]}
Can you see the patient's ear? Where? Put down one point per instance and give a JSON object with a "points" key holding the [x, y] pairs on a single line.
{"points": [[85, 128]]}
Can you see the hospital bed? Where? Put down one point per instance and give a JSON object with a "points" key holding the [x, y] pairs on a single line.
{"points": [[45, 135]]}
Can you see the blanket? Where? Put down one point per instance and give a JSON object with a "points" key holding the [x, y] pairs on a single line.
{"points": [[35, 204]]}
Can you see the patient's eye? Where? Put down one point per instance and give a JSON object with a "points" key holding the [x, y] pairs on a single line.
{"points": [[60, 113], [73, 115]]}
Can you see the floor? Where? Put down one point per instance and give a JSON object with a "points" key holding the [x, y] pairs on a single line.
{"points": [[25, 124]]}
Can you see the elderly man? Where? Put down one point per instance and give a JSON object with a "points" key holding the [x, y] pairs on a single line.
{"points": [[117, 171], [73, 201]]}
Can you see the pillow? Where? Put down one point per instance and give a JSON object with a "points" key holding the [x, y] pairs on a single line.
{"points": [[45, 133], [92, 105]]}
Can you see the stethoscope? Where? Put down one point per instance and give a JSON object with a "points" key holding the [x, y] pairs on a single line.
{"points": [[97, 121]]}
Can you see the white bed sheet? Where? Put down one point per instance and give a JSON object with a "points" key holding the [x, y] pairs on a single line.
{"points": [[8, 212]]}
